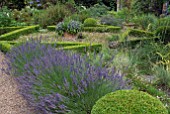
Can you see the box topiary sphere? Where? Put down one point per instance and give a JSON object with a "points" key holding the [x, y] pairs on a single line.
{"points": [[90, 22], [128, 102]]}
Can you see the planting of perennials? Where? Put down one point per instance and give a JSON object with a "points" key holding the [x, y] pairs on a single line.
{"points": [[60, 82]]}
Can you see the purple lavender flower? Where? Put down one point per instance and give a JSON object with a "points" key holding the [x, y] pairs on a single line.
{"points": [[57, 81], [39, 5], [31, 2]]}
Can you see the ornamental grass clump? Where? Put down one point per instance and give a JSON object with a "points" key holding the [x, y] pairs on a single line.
{"points": [[65, 82]]}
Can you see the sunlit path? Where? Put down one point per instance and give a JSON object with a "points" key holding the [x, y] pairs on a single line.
{"points": [[10, 101]]}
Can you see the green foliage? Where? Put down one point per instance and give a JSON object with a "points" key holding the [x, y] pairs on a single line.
{"points": [[162, 67], [163, 75], [140, 33], [81, 16], [92, 12], [102, 29], [152, 90], [160, 22], [144, 20], [5, 17], [164, 21], [52, 15], [74, 27], [113, 38], [145, 54], [123, 14], [164, 33], [26, 15], [90, 22], [146, 6], [143, 86], [128, 102], [5, 47], [15, 34], [70, 26], [110, 20], [98, 10]]}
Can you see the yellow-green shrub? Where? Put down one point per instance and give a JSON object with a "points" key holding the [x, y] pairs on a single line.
{"points": [[128, 102], [90, 22]]}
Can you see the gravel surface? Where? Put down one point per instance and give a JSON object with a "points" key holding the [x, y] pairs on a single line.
{"points": [[11, 102]]}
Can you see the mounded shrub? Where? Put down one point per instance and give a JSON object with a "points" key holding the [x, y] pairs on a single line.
{"points": [[128, 102], [164, 33], [90, 22]]}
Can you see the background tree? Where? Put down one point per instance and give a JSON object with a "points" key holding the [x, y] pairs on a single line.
{"points": [[147, 6]]}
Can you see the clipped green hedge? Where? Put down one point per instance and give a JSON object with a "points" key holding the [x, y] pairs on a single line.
{"points": [[98, 28], [83, 48], [51, 28], [8, 29], [140, 33], [102, 29], [5, 46], [135, 41], [15, 34], [128, 102], [78, 46], [64, 44]]}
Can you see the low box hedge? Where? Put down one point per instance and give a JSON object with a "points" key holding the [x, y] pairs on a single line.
{"points": [[102, 29], [51, 28], [135, 41], [99, 28], [140, 33], [8, 29], [78, 46], [83, 48], [64, 44], [15, 34]]}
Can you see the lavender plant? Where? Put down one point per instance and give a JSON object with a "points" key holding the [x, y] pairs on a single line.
{"points": [[22, 55], [63, 82]]}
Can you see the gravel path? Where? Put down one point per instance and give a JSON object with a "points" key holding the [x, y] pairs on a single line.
{"points": [[10, 101]]}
